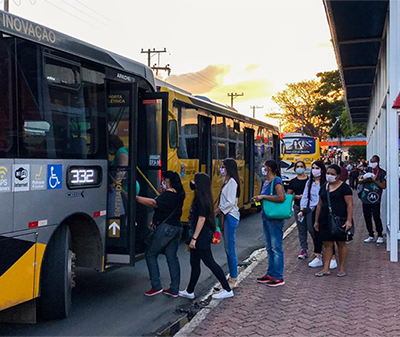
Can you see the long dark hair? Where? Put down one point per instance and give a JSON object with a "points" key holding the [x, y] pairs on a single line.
{"points": [[176, 183], [232, 171], [273, 165], [321, 165], [203, 196]]}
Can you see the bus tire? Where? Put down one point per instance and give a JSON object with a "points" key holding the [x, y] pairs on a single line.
{"points": [[57, 278]]}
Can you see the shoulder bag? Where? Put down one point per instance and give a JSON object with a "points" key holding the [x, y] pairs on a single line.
{"points": [[336, 224], [278, 210], [148, 238]]}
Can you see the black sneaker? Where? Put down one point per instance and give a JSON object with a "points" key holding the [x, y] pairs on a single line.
{"points": [[264, 279], [275, 283]]}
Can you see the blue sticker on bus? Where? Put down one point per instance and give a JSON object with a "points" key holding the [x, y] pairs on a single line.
{"points": [[54, 177]]}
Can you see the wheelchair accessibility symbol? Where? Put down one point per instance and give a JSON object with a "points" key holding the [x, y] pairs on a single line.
{"points": [[54, 177]]}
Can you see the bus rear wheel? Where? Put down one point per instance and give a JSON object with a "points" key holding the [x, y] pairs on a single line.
{"points": [[57, 278]]}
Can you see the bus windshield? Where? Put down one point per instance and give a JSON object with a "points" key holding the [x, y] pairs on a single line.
{"points": [[300, 145]]}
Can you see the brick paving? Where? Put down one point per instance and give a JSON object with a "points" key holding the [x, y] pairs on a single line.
{"points": [[364, 303]]}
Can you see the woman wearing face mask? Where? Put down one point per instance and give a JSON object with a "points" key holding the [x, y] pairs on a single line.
{"points": [[202, 225], [308, 204], [296, 187], [341, 198], [228, 206], [273, 228], [168, 230]]}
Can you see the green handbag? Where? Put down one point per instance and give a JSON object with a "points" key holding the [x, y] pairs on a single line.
{"points": [[275, 210]]}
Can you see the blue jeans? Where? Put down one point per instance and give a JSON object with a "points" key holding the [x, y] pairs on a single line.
{"points": [[273, 235], [230, 226], [165, 240]]}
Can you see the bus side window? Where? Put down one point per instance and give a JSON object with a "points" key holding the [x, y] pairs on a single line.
{"points": [[173, 134]]}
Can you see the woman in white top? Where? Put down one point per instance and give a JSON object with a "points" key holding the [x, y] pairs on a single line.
{"points": [[228, 206]]}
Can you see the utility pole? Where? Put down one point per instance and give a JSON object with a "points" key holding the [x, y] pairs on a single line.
{"points": [[233, 96], [254, 107], [6, 5], [156, 66]]}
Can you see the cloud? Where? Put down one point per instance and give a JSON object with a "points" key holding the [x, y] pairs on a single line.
{"points": [[252, 67], [203, 81], [210, 82]]}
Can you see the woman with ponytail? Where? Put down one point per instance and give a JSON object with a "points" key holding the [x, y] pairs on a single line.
{"points": [[273, 228], [168, 230], [228, 206]]}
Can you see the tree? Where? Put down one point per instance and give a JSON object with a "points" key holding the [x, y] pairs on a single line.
{"points": [[355, 152], [312, 105], [298, 101]]}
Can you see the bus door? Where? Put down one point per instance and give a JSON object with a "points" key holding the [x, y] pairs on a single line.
{"points": [[121, 113], [205, 160], [249, 164], [152, 155]]}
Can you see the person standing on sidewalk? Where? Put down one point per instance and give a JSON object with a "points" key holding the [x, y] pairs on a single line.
{"points": [[344, 174], [202, 225], [273, 229], [373, 183], [296, 187], [308, 204], [168, 230], [341, 200], [228, 206]]}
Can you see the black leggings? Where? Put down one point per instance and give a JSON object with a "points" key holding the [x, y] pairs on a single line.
{"points": [[196, 255]]}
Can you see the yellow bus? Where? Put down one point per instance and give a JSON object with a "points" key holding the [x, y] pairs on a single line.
{"points": [[300, 147], [202, 133]]}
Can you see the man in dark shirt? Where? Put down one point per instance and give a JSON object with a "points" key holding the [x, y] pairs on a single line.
{"points": [[373, 183]]}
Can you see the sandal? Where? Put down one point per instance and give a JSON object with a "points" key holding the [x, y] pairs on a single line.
{"points": [[341, 274], [321, 274]]}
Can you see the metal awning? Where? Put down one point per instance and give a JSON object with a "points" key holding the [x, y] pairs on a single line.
{"points": [[357, 29]]}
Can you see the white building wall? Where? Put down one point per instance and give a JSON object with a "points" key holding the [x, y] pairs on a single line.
{"points": [[383, 126]]}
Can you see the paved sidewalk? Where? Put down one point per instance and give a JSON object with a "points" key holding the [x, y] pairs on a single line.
{"points": [[364, 303]]}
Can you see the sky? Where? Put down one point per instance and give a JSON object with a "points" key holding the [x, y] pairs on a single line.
{"points": [[213, 47]]}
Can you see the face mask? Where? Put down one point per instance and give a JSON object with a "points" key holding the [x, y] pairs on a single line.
{"points": [[264, 172], [300, 170], [316, 172], [373, 165], [192, 186], [330, 178], [223, 171], [164, 185]]}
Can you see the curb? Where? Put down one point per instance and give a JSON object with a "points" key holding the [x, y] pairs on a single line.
{"points": [[254, 259]]}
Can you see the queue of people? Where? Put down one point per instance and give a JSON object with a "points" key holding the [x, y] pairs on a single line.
{"points": [[323, 208]]}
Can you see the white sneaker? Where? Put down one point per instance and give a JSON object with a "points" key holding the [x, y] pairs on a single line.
{"points": [[370, 239], [379, 240], [185, 294], [316, 263], [223, 294], [332, 264]]}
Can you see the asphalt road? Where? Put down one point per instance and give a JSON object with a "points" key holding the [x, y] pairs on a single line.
{"points": [[113, 304]]}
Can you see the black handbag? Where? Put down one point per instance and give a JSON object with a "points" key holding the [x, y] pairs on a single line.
{"points": [[336, 224]]}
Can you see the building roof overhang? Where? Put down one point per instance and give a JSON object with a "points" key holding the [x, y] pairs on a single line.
{"points": [[357, 30]]}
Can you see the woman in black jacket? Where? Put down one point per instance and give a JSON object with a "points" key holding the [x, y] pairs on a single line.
{"points": [[202, 227]]}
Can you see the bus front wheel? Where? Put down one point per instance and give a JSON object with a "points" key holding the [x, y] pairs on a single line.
{"points": [[57, 278]]}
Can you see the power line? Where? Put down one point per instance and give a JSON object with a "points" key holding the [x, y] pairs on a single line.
{"points": [[89, 8], [233, 96], [202, 82], [83, 12], [209, 80], [69, 13]]}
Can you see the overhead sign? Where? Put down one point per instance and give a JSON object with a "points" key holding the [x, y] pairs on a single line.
{"points": [[21, 177], [114, 228]]}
